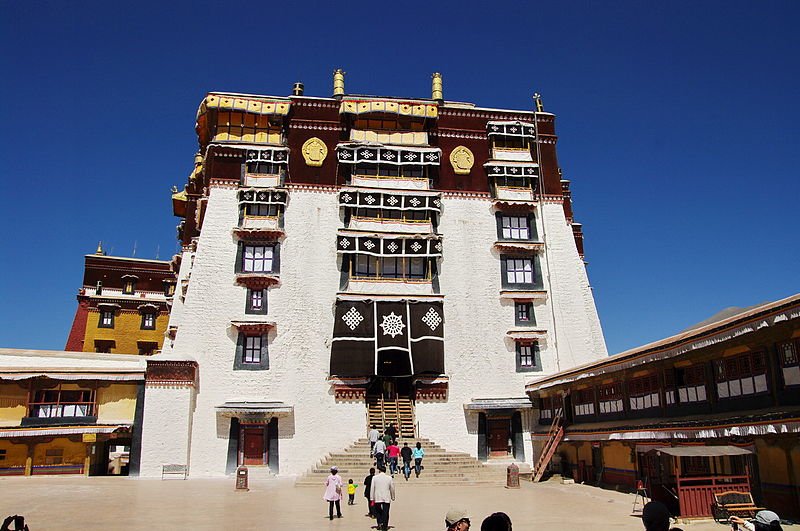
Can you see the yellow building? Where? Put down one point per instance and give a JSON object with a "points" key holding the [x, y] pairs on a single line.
{"points": [[68, 413], [123, 305]]}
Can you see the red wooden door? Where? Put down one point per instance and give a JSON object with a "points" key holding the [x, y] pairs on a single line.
{"points": [[253, 446], [499, 432]]}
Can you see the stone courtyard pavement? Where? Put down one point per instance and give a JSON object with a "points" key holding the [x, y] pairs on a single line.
{"points": [[121, 503]]}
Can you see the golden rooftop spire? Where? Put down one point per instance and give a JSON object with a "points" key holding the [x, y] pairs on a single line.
{"points": [[436, 87], [338, 82]]}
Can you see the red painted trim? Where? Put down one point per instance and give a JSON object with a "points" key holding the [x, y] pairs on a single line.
{"points": [[78, 331]]}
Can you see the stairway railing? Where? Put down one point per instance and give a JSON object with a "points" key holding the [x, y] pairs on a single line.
{"points": [[554, 436]]}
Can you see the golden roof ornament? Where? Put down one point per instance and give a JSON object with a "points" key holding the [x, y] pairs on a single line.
{"points": [[99, 250], [338, 82], [436, 87]]}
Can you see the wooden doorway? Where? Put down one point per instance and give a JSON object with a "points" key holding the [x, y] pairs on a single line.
{"points": [[499, 436], [252, 445]]}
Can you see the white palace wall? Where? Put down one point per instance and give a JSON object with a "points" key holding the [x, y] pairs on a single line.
{"points": [[480, 359]]}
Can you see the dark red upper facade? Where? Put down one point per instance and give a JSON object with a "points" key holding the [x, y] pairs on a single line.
{"points": [[304, 118]]}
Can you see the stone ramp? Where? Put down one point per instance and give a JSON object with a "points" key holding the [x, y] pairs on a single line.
{"points": [[441, 467]]}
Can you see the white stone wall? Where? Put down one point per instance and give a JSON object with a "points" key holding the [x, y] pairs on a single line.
{"points": [[578, 332], [166, 428], [301, 306], [479, 357]]}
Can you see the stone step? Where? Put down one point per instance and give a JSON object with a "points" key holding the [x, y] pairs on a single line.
{"points": [[442, 467], [415, 481]]}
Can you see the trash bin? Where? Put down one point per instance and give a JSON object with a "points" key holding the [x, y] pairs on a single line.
{"points": [[512, 476], [241, 479]]}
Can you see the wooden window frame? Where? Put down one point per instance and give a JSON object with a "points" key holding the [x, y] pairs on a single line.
{"points": [[102, 321], [144, 325], [89, 399]]}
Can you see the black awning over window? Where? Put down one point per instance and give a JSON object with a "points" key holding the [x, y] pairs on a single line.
{"points": [[392, 338]]}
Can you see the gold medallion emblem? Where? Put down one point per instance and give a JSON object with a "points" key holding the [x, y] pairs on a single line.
{"points": [[462, 160], [314, 151]]}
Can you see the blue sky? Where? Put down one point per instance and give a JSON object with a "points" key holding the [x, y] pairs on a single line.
{"points": [[678, 126]]}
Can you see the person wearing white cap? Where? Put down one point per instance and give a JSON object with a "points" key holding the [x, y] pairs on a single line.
{"points": [[333, 492], [764, 521], [457, 519]]}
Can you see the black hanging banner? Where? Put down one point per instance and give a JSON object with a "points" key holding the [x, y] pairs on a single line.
{"points": [[387, 338], [427, 336], [353, 346]]}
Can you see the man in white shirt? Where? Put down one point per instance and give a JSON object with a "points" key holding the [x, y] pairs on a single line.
{"points": [[382, 494], [373, 438], [380, 452]]}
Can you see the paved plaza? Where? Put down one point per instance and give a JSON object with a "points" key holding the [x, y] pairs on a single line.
{"points": [[121, 503]]}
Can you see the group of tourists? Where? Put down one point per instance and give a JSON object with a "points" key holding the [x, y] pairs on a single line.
{"points": [[656, 517], [386, 452]]}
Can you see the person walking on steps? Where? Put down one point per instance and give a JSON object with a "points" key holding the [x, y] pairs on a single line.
{"points": [[394, 452], [391, 431], [418, 453], [380, 453], [373, 438], [333, 492], [405, 454], [367, 491], [382, 493]]}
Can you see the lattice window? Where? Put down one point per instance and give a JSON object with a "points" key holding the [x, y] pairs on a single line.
{"points": [[644, 392], [257, 258], [609, 398], [515, 228], [583, 401], [741, 375]]}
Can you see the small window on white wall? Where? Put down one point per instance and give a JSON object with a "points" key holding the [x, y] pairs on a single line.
{"points": [[515, 228]]}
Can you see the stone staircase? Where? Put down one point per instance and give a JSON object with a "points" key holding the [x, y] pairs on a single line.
{"points": [[400, 411], [441, 467]]}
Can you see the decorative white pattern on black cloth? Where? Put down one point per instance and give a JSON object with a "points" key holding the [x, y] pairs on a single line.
{"points": [[352, 318], [394, 201], [275, 155], [269, 197], [399, 338], [395, 246], [353, 154], [518, 169], [432, 319], [392, 325], [517, 129]]}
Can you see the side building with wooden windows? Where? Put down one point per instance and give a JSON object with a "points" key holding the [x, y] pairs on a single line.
{"points": [[69, 412], [123, 305], [712, 409], [356, 260]]}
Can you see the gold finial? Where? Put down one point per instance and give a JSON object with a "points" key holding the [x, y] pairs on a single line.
{"points": [[338, 82], [100, 248], [538, 99], [436, 87]]}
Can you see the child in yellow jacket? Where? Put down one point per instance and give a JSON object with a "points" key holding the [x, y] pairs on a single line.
{"points": [[351, 492]]}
